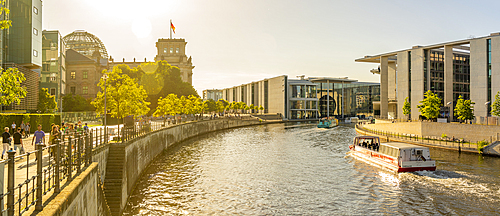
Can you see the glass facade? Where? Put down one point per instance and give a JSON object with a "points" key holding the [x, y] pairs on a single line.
{"points": [[347, 99]]}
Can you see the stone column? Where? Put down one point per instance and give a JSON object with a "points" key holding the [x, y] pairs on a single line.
{"points": [[495, 67], [384, 91], [392, 88], [448, 79], [478, 76], [417, 81], [402, 82]]}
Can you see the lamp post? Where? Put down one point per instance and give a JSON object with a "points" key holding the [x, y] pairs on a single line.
{"points": [[449, 108], [105, 78], [487, 113]]}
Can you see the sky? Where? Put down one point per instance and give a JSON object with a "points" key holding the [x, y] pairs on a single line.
{"points": [[233, 42]]}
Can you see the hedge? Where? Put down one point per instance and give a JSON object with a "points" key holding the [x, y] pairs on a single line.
{"points": [[45, 120]]}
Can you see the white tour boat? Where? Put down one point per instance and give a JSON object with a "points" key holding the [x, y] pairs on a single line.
{"points": [[398, 157]]}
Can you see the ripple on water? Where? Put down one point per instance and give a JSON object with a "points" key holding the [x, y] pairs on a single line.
{"points": [[270, 170]]}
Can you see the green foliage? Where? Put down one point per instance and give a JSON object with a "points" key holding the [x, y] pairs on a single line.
{"points": [[261, 108], [444, 135], [34, 119], [211, 105], [495, 106], [406, 107], [221, 105], [46, 102], [124, 96], [430, 106], [481, 145], [76, 103], [4, 24], [173, 105], [464, 109], [10, 86]]}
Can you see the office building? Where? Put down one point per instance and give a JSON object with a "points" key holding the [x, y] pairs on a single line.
{"points": [[469, 68], [212, 94], [22, 48], [53, 73], [306, 98], [83, 74]]}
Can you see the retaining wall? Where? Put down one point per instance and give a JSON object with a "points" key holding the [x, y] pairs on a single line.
{"points": [[127, 161], [82, 196], [469, 132]]}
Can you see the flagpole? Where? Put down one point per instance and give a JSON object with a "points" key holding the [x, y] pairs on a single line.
{"points": [[170, 29]]}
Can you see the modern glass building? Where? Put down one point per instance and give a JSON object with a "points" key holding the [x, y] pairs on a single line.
{"points": [[308, 98], [53, 73]]}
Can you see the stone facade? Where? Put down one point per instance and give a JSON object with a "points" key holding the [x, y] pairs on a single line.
{"points": [[174, 52], [82, 74]]}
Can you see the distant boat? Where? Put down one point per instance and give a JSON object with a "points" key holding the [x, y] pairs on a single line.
{"points": [[328, 122], [398, 157]]}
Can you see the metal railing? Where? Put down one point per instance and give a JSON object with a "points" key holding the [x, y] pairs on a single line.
{"points": [[44, 171], [433, 140]]}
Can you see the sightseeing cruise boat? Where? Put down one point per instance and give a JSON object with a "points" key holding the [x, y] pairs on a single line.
{"points": [[328, 122], [398, 157]]}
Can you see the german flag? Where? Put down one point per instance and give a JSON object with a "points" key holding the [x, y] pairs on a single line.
{"points": [[172, 27]]}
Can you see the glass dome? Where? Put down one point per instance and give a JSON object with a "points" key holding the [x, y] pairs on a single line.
{"points": [[85, 43]]}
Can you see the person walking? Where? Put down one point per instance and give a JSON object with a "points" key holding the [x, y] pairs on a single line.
{"points": [[18, 141], [54, 134], [13, 126], [5, 140], [38, 136], [28, 129], [23, 126]]}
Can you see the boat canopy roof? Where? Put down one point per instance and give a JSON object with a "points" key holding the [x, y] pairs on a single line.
{"points": [[403, 145]]}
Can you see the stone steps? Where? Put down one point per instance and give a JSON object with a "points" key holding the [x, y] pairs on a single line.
{"points": [[113, 181]]}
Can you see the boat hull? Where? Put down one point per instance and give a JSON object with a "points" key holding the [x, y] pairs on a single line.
{"points": [[379, 160]]}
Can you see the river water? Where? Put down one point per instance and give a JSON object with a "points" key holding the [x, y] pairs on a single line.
{"points": [[278, 170]]}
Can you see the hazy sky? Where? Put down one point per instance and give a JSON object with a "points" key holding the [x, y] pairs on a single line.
{"points": [[234, 42]]}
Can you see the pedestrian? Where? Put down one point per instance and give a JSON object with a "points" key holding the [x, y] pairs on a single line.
{"points": [[23, 126], [38, 136], [86, 128], [28, 129], [54, 134], [5, 140], [13, 127], [18, 141]]}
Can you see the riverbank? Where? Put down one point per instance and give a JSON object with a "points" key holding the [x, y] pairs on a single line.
{"points": [[418, 140]]}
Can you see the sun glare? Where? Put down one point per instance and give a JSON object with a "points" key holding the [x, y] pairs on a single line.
{"points": [[141, 27]]}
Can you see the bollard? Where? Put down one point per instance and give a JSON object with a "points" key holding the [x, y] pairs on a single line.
{"points": [[69, 160], [39, 178], [57, 170], [10, 182], [78, 153]]}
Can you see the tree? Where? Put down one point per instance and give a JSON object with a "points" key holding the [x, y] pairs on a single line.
{"points": [[10, 86], [221, 105], [124, 96], [211, 105], [76, 103], [261, 108], [430, 106], [46, 102], [495, 106], [4, 24], [407, 107], [252, 108], [168, 106], [464, 109]]}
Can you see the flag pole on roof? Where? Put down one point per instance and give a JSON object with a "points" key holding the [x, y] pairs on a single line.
{"points": [[172, 28]]}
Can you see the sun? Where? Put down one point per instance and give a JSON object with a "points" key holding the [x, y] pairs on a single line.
{"points": [[141, 27]]}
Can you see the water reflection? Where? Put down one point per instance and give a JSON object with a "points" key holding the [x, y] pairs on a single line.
{"points": [[270, 170]]}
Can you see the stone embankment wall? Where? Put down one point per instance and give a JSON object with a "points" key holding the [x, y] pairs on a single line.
{"points": [[82, 196], [469, 132], [127, 161]]}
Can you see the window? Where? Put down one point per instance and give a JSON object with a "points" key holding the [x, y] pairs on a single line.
{"points": [[177, 50], [52, 91], [35, 10], [45, 67], [73, 75], [171, 50], [85, 90], [73, 90], [53, 77], [165, 50], [85, 74], [35, 53], [35, 31]]}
